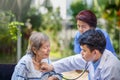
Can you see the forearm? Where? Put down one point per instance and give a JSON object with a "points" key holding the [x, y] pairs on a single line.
{"points": [[66, 64], [53, 78], [70, 63]]}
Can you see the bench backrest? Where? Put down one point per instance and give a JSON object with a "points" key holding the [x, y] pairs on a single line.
{"points": [[6, 71]]}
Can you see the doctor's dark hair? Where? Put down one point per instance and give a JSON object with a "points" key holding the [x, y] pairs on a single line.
{"points": [[88, 17], [94, 39]]}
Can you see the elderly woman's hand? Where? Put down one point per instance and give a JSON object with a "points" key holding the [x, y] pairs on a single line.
{"points": [[53, 78], [45, 67]]}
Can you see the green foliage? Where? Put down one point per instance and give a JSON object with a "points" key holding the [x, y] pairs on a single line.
{"points": [[5, 17], [51, 25], [77, 6], [11, 12], [35, 18], [51, 22], [13, 29], [7, 46], [109, 13]]}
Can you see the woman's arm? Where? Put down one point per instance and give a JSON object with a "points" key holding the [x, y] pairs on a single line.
{"points": [[20, 72]]}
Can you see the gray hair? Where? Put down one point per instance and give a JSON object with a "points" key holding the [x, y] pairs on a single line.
{"points": [[36, 40]]}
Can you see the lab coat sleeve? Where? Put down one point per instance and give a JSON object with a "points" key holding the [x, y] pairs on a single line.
{"points": [[75, 62], [111, 73]]}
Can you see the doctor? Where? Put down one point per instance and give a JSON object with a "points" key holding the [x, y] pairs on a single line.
{"points": [[106, 65]]}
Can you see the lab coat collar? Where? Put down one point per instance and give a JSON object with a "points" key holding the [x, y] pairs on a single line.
{"points": [[104, 58]]}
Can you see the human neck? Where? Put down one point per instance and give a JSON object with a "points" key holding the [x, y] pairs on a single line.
{"points": [[36, 63], [98, 56], [37, 59]]}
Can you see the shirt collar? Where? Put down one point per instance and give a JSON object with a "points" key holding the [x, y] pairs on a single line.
{"points": [[95, 64], [104, 58]]}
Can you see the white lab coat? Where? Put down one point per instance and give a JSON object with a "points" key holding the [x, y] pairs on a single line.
{"points": [[108, 68]]}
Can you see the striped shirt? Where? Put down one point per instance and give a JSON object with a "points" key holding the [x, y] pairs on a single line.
{"points": [[25, 70]]}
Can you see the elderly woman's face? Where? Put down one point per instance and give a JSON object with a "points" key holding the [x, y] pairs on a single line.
{"points": [[82, 26], [44, 51]]}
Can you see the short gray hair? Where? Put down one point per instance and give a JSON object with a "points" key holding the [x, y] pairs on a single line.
{"points": [[36, 40]]}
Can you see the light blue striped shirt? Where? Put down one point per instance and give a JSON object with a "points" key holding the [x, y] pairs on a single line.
{"points": [[25, 70]]}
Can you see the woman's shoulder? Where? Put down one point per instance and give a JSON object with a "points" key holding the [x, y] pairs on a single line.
{"points": [[77, 35], [26, 57], [104, 31], [25, 60]]}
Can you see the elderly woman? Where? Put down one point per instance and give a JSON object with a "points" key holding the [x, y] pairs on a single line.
{"points": [[28, 68]]}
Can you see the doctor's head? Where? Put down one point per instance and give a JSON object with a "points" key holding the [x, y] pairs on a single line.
{"points": [[93, 44], [86, 20]]}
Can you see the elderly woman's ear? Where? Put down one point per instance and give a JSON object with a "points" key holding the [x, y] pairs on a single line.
{"points": [[34, 50]]}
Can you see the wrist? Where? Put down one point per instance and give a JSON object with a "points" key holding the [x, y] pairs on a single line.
{"points": [[51, 68]]}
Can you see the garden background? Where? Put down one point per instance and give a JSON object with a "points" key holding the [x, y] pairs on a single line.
{"points": [[18, 18]]}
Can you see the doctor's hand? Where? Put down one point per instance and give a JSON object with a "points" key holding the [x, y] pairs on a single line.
{"points": [[45, 67]]}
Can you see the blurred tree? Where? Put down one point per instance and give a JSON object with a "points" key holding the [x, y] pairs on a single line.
{"points": [[6, 44], [47, 4], [13, 30], [75, 7], [18, 9], [34, 17], [108, 10], [51, 25]]}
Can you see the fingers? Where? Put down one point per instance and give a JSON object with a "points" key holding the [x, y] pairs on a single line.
{"points": [[46, 67], [52, 78]]}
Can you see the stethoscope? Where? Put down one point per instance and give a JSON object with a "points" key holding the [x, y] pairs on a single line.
{"points": [[86, 67], [54, 73]]}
